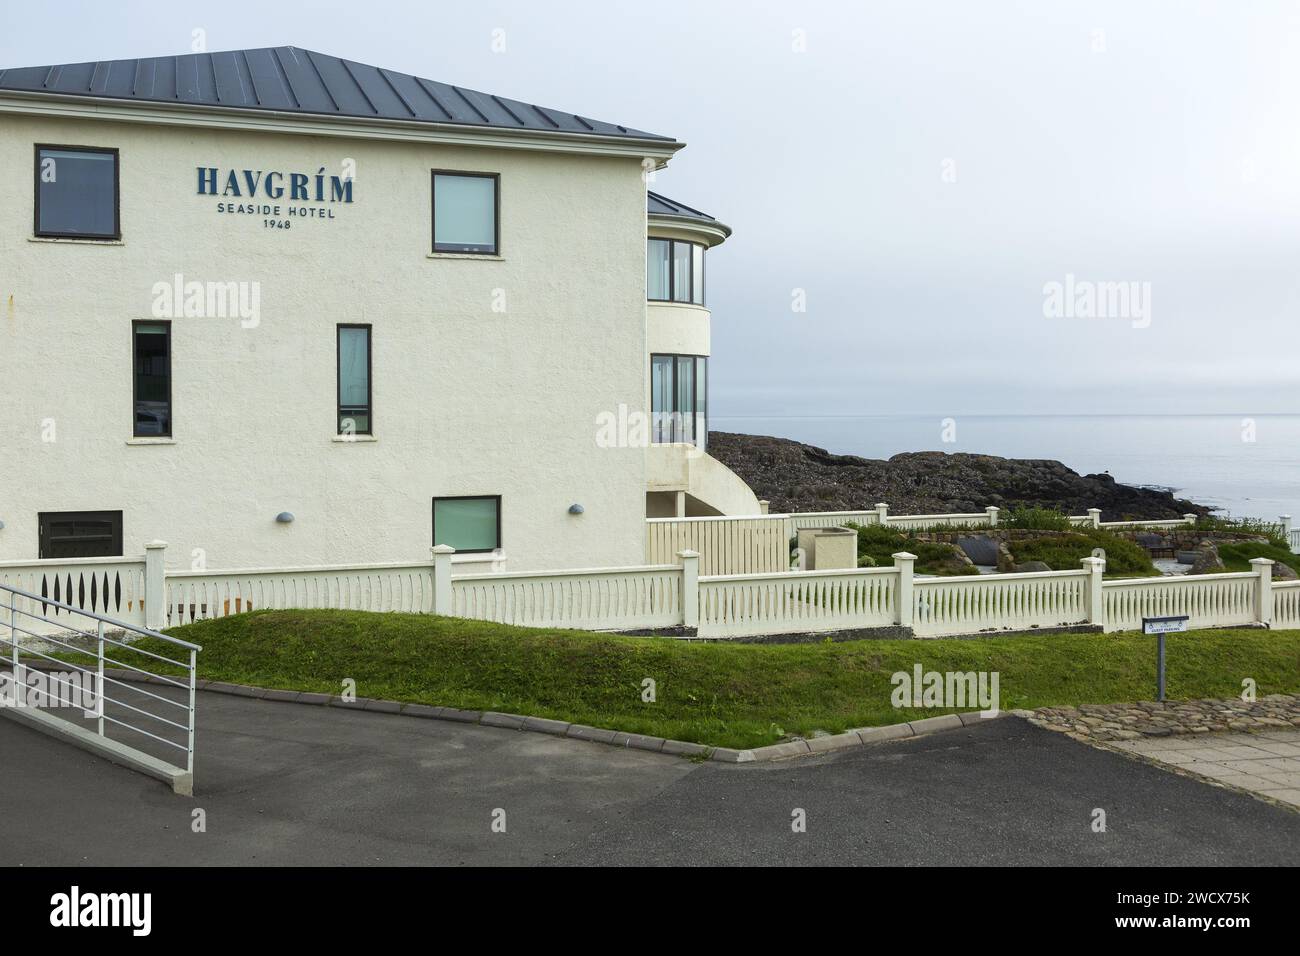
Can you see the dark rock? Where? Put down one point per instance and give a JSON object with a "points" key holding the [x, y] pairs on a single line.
{"points": [[1207, 560], [798, 477], [980, 549]]}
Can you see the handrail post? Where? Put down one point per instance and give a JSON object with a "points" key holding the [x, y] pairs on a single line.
{"points": [[1096, 596], [690, 588], [99, 690], [442, 578], [905, 563], [1094, 517], [882, 512], [1263, 590], [189, 765], [1190, 520], [13, 642], [155, 585], [992, 512]]}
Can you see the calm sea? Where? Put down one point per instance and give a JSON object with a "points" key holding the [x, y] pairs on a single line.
{"points": [[1247, 467]]}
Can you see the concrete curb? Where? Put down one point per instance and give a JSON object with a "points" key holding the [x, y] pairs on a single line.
{"points": [[616, 738]]}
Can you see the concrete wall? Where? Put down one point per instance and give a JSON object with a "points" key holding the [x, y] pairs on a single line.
{"points": [[467, 400]]}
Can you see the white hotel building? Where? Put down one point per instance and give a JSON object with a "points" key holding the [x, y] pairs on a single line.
{"points": [[280, 309]]}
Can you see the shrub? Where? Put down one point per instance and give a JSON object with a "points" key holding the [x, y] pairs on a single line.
{"points": [[1038, 519], [1265, 529], [1236, 556], [1064, 552], [880, 543]]}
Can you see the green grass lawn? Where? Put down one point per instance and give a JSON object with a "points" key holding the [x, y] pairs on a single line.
{"points": [[732, 695]]}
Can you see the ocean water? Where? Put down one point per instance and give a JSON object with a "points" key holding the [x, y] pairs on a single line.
{"points": [[1245, 467]]}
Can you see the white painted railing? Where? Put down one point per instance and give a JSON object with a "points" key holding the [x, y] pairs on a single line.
{"points": [[1001, 602], [751, 605], [751, 545], [596, 599], [1209, 600], [829, 519], [113, 587], [202, 595], [1185, 522], [972, 520], [1286, 604]]}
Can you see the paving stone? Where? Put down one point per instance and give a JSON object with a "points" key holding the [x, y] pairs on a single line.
{"points": [[421, 710], [461, 716], [684, 748], [793, 748], [834, 742], [929, 725], [875, 735], [544, 725], [510, 721], [596, 734]]}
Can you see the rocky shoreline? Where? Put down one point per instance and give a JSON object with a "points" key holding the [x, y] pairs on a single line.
{"points": [[794, 476]]}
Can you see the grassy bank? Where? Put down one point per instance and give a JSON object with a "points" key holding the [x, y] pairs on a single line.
{"points": [[735, 695]]}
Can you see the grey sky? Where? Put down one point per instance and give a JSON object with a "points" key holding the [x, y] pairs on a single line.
{"points": [[1163, 149]]}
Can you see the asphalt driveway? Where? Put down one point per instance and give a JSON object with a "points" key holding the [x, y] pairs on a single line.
{"points": [[295, 784]]}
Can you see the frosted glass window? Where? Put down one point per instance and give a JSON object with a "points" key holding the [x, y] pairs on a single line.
{"points": [[467, 524], [464, 213]]}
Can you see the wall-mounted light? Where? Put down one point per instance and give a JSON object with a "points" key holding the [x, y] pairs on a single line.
{"points": [[285, 517], [576, 509]]}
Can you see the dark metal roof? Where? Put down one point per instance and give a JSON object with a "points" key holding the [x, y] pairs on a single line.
{"points": [[657, 205], [291, 80]]}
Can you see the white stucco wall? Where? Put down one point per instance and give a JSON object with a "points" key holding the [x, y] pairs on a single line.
{"points": [[466, 400]]}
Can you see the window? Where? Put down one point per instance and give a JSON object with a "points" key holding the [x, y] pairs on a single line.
{"points": [[468, 523], [152, 389], [675, 271], [355, 416], [80, 534], [466, 213], [77, 192], [679, 392]]}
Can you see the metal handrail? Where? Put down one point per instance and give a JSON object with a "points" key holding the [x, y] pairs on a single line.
{"points": [[102, 621]]}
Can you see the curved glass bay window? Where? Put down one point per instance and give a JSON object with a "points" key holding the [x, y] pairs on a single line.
{"points": [[675, 271], [679, 396]]}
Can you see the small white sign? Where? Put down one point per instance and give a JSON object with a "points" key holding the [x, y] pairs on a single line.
{"points": [[1164, 625]]}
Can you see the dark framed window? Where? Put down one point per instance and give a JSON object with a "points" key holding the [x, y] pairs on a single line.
{"points": [[151, 347], [468, 523], [80, 534], [77, 192], [466, 212], [356, 417], [674, 271], [679, 399]]}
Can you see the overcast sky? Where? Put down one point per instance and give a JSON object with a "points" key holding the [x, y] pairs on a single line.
{"points": [[920, 170]]}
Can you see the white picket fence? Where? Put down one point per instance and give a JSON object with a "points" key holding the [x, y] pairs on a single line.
{"points": [[677, 596], [759, 544], [112, 587]]}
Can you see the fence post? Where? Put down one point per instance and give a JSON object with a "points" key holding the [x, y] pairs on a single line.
{"points": [[905, 563], [1286, 528], [155, 585], [763, 506], [1096, 602], [882, 512], [1264, 591], [1094, 514], [442, 578], [690, 588], [992, 512], [1190, 519]]}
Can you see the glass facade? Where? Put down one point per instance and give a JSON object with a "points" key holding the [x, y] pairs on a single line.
{"points": [[679, 390], [468, 524], [674, 271], [465, 213]]}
